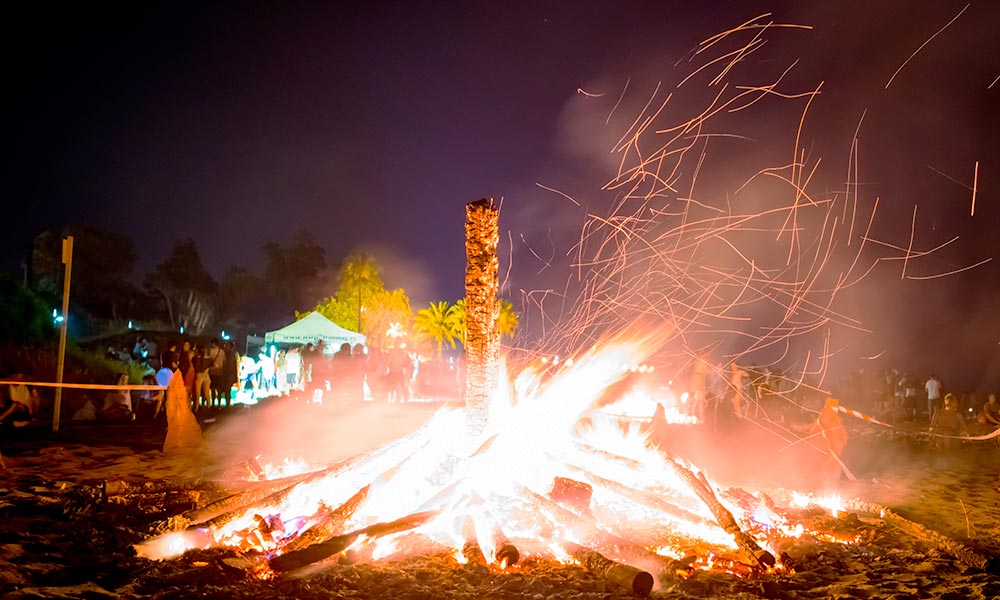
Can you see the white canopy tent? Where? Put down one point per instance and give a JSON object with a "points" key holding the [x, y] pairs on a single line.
{"points": [[311, 328]]}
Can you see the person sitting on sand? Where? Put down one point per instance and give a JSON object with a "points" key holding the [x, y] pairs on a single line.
{"points": [[150, 401], [117, 403], [948, 422], [20, 404]]}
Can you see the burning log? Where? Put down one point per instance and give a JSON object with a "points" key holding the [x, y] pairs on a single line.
{"points": [[473, 553], [642, 498], [506, 552], [336, 544], [701, 487], [637, 580], [604, 541], [572, 492], [471, 550], [331, 523], [482, 310], [246, 500], [964, 554], [240, 500]]}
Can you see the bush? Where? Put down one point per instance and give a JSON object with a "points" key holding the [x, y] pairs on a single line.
{"points": [[24, 317]]}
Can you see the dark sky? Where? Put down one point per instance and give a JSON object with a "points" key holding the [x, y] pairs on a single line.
{"points": [[237, 124]]}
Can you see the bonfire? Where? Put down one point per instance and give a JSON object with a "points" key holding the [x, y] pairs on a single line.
{"points": [[537, 465]]}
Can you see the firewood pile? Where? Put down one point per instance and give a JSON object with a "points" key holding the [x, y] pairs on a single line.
{"points": [[74, 539]]}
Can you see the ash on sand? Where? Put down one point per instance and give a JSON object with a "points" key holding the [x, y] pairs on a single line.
{"points": [[59, 537]]}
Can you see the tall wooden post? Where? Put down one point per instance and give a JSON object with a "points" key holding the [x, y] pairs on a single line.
{"points": [[67, 258], [482, 311]]}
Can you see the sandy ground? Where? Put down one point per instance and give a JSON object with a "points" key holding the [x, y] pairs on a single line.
{"points": [[59, 538]]}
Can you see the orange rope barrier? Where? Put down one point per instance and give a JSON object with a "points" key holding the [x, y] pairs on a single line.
{"points": [[85, 386]]}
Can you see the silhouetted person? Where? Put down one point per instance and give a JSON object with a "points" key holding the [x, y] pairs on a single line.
{"points": [[948, 422], [230, 371]]}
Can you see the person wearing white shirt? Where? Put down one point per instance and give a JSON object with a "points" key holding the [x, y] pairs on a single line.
{"points": [[933, 387]]}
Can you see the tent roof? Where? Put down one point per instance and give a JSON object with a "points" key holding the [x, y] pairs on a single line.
{"points": [[311, 328]]}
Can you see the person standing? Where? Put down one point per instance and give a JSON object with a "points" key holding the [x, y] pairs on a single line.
{"points": [[933, 387], [338, 371], [216, 369], [359, 368], [186, 366], [948, 422], [699, 390], [736, 382], [281, 372], [398, 371], [293, 366], [202, 396], [230, 371]]}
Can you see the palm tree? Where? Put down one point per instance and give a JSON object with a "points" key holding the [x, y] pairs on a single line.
{"points": [[439, 322], [508, 318], [507, 323]]}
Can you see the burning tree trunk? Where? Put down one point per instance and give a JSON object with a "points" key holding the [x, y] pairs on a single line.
{"points": [[482, 310]]}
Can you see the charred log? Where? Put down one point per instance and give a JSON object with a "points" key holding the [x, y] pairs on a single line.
{"points": [[638, 581], [120, 487], [473, 553], [337, 544], [506, 552], [964, 554]]}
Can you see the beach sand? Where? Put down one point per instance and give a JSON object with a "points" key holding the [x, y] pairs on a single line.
{"points": [[60, 538]]}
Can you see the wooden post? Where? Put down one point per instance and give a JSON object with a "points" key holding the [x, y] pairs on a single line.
{"points": [[482, 311], [67, 258]]}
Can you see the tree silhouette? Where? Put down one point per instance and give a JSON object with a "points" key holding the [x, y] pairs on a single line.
{"points": [[103, 263], [186, 288], [292, 272]]}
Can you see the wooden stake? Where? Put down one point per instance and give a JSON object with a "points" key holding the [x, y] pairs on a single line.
{"points": [[67, 258]]}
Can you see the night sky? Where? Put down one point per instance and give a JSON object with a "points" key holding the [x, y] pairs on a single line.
{"points": [[372, 125]]}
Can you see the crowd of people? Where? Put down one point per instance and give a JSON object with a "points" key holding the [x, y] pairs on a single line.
{"points": [[724, 393], [215, 375]]}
